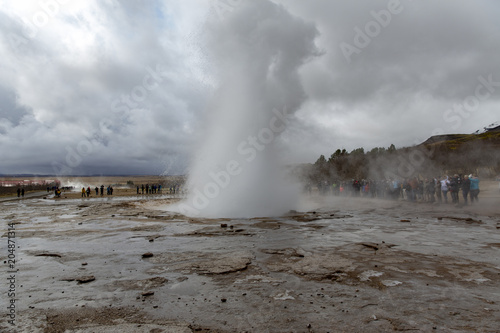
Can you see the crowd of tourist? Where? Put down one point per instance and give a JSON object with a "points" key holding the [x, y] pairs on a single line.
{"points": [[461, 188], [157, 188], [86, 192], [150, 189]]}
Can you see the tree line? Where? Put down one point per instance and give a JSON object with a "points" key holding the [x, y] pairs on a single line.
{"points": [[479, 156]]}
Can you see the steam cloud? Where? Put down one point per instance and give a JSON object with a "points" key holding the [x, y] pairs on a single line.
{"points": [[257, 51]]}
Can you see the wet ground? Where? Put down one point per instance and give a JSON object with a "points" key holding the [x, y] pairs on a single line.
{"points": [[340, 265]]}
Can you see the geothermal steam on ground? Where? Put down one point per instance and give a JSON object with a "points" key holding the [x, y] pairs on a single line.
{"points": [[237, 171]]}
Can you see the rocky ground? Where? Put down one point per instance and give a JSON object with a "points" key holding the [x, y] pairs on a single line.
{"points": [[125, 264]]}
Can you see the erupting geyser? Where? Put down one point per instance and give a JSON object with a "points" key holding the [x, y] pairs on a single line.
{"points": [[257, 50]]}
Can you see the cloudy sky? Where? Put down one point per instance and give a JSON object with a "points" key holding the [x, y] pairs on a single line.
{"points": [[127, 87]]}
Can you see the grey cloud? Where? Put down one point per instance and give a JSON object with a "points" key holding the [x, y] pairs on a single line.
{"points": [[61, 87]]}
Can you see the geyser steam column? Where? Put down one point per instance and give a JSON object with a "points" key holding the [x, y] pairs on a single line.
{"points": [[257, 50]]}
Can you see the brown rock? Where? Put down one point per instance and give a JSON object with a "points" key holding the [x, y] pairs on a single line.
{"points": [[86, 279]]}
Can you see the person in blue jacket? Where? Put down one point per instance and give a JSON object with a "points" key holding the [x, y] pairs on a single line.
{"points": [[474, 188]]}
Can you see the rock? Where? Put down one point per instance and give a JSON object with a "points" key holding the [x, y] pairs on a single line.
{"points": [[84, 264], [404, 221], [49, 255], [148, 293], [147, 255], [301, 253], [86, 279], [68, 279], [223, 300], [223, 225], [371, 246]]}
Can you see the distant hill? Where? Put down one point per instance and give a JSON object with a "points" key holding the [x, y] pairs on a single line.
{"points": [[491, 136], [477, 153]]}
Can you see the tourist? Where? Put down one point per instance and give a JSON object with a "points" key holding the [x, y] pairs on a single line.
{"points": [[102, 190], [83, 192], [474, 188], [18, 192], [438, 189], [444, 188], [453, 188], [96, 191], [465, 188], [414, 184], [429, 190], [395, 189]]}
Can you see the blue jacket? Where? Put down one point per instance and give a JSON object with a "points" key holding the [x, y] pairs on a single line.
{"points": [[474, 183]]}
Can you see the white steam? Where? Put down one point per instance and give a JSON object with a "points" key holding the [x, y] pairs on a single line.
{"points": [[257, 50]]}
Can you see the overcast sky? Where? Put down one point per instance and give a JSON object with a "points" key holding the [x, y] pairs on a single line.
{"points": [[124, 87]]}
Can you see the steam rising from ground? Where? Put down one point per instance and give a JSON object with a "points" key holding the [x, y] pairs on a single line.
{"points": [[257, 51]]}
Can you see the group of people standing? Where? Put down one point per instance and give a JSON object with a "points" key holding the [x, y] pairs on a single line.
{"points": [[468, 185], [150, 189], [158, 188], [411, 189], [86, 192]]}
